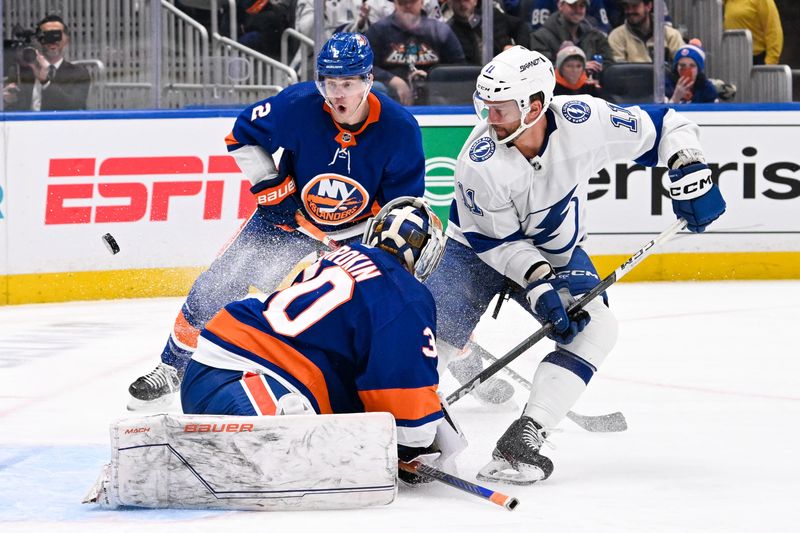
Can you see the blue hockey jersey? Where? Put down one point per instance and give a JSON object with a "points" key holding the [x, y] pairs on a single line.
{"points": [[355, 332], [341, 177]]}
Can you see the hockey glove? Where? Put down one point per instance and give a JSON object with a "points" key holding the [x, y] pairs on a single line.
{"points": [[547, 306], [406, 454], [695, 197], [277, 201]]}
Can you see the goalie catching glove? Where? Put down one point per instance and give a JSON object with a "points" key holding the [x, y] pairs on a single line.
{"points": [[277, 201], [547, 298], [695, 197]]}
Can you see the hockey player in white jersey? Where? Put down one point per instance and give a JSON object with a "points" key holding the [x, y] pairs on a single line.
{"points": [[519, 215]]}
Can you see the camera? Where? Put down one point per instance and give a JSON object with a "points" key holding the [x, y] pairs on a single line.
{"points": [[20, 46]]}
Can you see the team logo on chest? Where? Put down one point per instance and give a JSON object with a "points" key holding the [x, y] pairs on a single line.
{"points": [[576, 111], [333, 199], [482, 149]]}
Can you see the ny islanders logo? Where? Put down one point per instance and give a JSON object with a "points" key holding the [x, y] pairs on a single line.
{"points": [[333, 199], [482, 149], [576, 111]]}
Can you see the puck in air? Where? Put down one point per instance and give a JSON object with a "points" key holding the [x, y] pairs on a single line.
{"points": [[111, 243]]}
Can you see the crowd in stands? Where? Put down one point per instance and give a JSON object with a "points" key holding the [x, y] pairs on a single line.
{"points": [[580, 37]]}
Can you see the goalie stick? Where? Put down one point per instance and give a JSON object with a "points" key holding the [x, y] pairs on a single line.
{"points": [[542, 332], [498, 498], [610, 423]]}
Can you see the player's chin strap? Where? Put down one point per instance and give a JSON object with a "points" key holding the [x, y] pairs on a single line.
{"points": [[522, 125]]}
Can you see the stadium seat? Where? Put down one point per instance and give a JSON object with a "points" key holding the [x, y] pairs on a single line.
{"points": [[452, 84], [628, 83]]}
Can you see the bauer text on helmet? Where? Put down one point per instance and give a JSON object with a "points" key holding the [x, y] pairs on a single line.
{"points": [[408, 229], [506, 86]]}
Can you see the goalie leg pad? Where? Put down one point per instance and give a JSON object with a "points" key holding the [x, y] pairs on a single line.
{"points": [[292, 462]]}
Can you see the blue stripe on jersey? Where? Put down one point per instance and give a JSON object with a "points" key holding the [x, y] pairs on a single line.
{"points": [[263, 362], [574, 363], [481, 243], [551, 127], [419, 421], [650, 157]]}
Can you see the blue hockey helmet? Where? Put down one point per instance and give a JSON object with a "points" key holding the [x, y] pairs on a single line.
{"points": [[408, 229], [345, 54]]}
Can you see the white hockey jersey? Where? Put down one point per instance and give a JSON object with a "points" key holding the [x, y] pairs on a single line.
{"points": [[515, 212]]}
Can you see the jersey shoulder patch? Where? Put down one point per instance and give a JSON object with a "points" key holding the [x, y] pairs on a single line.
{"points": [[576, 111], [482, 149]]}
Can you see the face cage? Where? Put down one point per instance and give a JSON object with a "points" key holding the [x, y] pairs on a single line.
{"points": [[433, 251]]}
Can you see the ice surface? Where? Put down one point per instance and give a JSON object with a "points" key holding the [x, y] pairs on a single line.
{"points": [[707, 374]]}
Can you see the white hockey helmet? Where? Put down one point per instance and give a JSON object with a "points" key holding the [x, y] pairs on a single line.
{"points": [[408, 229], [515, 74]]}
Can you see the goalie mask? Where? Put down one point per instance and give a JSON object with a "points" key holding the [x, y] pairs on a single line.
{"points": [[504, 88], [408, 229]]}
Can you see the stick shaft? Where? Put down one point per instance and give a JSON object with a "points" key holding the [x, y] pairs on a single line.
{"points": [[428, 471], [609, 423], [609, 280]]}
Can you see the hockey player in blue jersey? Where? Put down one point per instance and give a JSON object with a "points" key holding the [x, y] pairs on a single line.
{"points": [[347, 151], [355, 332], [519, 217]]}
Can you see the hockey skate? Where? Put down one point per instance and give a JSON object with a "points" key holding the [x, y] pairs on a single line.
{"points": [[516, 458], [494, 390], [155, 390]]}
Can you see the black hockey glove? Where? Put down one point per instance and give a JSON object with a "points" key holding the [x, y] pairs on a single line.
{"points": [[425, 455], [277, 201], [547, 306], [694, 196]]}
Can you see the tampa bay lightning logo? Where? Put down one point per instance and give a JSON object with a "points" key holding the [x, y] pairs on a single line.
{"points": [[576, 111], [482, 149], [558, 225]]}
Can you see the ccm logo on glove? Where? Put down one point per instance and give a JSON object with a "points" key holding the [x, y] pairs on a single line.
{"points": [[692, 185]]}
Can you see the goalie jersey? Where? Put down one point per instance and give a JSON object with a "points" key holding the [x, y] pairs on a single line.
{"points": [[515, 212], [342, 177], [355, 332]]}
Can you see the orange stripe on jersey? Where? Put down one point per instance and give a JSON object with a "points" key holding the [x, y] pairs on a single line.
{"points": [[346, 138], [227, 328], [230, 139], [185, 332], [404, 404], [259, 393]]}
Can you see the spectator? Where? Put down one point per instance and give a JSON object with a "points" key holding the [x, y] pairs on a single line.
{"points": [[467, 25], [49, 83], [407, 44], [633, 41], [342, 15], [762, 19], [536, 13], [263, 25], [688, 83], [571, 75], [570, 24]]}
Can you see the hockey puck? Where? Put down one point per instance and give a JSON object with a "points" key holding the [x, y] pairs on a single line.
{"points": [[111, 243]]}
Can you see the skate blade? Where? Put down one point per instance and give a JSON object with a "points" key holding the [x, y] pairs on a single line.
{"points": [[501, 471], [152, 406]]}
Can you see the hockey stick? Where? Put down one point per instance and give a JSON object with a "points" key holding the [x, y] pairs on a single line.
{"points": [[610, 423], [314, 231], [609, 280], [415, 467]]}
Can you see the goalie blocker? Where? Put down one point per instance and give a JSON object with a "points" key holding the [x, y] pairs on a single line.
{"points": [[292, 462]]}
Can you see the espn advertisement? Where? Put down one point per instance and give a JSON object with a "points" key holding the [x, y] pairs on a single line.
{"points": [[163, 185]]}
